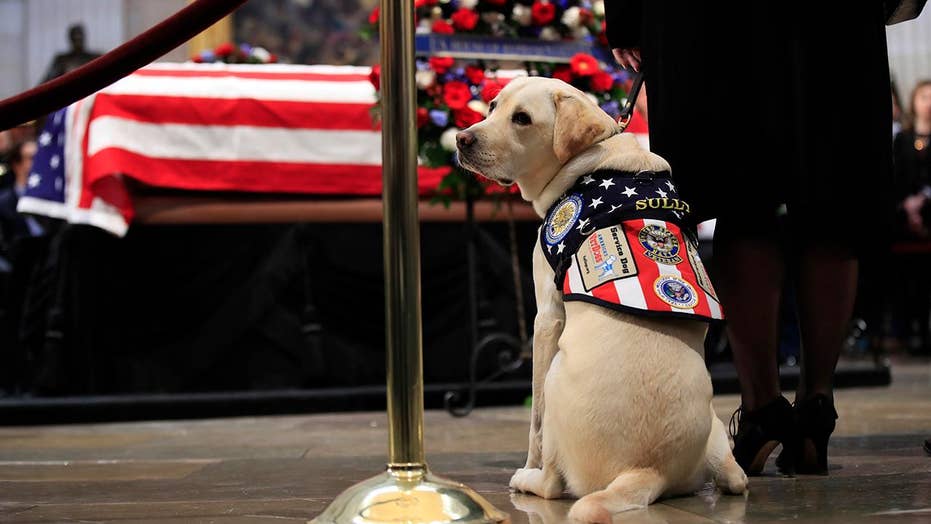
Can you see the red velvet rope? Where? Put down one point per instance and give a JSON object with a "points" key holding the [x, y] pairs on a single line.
{"points": [[122, 61]]}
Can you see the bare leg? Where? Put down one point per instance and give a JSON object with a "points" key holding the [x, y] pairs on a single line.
{"points": [[827, 290], [750, 276]]}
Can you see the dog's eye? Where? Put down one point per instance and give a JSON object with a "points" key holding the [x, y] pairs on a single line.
{"points": [[520, 118], [492, 106]]}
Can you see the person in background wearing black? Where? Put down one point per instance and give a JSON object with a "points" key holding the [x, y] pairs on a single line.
{"points": [[912, 153], [758, 117], [74, 58], [14, 226]]}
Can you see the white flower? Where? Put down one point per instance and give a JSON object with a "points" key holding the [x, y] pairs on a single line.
{"points": [[479, 107], [424, 27], [425, 78], [448, 139], [572, 17], [598, 8], [550, 33], [468, 4], [522, 14], [581, 33], [261, 54]]}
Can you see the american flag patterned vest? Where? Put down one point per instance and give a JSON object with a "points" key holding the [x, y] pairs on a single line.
{"points": [[615, 239]]}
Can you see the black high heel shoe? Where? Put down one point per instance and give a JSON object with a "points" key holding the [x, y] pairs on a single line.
{"points": [[757, 433], [816, 421]]}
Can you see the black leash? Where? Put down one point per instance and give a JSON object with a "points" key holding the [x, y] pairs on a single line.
{"points": [[627, 111]]}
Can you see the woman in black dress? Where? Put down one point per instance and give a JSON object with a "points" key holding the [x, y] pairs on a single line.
{"points": [[775, 119]]}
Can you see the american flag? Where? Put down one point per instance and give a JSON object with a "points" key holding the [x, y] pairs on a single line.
{"points": [[212, 127], [266, 129]]}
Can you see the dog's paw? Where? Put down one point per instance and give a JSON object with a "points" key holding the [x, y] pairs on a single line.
{"points": [[736, 482], [590, 511], [520, 480]]}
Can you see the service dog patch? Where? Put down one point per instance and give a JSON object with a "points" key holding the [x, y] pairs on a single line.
{"points": [[660, 244], [605, 256], [701, 275], [561, 219], [675, 291]]}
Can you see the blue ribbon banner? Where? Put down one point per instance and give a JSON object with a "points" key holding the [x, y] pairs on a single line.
{"points": [[517, 49]]}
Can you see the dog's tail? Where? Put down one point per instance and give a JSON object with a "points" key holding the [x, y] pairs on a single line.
{"points": [[633, 489]]}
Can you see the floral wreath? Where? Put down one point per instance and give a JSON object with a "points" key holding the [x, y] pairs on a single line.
{"points": [[229, 53]]}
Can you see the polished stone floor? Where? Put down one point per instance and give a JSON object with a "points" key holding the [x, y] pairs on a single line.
{"points": [[286, 469]]}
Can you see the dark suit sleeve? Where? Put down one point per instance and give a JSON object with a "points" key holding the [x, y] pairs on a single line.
{"points": [[624, 20]]}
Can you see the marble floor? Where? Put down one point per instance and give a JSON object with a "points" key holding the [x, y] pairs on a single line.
{"points": [[286, 469]]}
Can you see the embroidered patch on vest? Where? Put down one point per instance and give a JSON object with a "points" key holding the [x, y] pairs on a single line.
{"points": [[605, 256], [675, 291], [562, 218], [660, 244], [701, 275]]}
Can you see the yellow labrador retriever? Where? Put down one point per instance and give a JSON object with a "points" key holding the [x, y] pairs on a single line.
{"points": [[622, 409]]}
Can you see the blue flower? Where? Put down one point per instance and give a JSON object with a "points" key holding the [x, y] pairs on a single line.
{"points": [[439, 118], [612, 107], [246, 49], [208, 56]]}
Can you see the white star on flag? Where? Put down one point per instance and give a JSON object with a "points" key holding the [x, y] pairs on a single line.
{"points": [[582, 224], [34, 180], [595, 203], [671, 187], [55, 161], [629, 191], [550, 248], [587, 179], [606, 183], [661, 193], [560, 248], [615, 207], [45, 138]]}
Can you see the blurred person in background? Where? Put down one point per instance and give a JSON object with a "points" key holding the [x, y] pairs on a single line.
{"points": [[13, 225], [74, 58], [912, 158]]}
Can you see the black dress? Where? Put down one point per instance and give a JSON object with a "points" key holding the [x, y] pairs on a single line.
{"points": [[760, 104]]}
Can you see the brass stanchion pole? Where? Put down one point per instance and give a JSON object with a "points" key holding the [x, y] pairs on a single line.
{"points": [[406, 492]]}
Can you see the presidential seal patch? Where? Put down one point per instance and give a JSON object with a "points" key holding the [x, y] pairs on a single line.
{"points": [[675, 291], [562, 218], [661, 244]]}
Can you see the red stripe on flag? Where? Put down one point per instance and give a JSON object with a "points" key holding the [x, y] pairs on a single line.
{"points": [[688, 274], [263, 177], [566, 286], [236, 112], [255, 75], [648, 270]]}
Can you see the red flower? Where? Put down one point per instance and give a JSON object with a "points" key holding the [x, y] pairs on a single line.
{"points": [[441, 64], [424, 3], [496, 3], [603, 35], [491, 90], [464, 19], [475, 74], [373, 16], [541, 13], [466, 116], [584, 64], [602, 82], [273, 59], [456, 94], [442, 27], [563, 73], [197, 59], [375, 76], [224, 50], [423, 116]]}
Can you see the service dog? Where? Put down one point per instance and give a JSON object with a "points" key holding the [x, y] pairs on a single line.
{"points": [[621, 409]]}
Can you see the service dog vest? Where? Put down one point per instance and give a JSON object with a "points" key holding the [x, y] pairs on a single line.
{"points": [[615, 239]]}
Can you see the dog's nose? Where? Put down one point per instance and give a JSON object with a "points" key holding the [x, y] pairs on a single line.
{"points": [[464, 139]]}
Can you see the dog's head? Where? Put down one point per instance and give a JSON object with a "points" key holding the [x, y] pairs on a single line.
{"points": [[535, 125]]}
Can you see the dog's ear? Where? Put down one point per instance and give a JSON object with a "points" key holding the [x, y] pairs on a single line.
{"points": [[577, 126]]}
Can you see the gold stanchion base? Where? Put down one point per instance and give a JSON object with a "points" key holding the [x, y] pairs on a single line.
{"points": [[410, 495]]}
